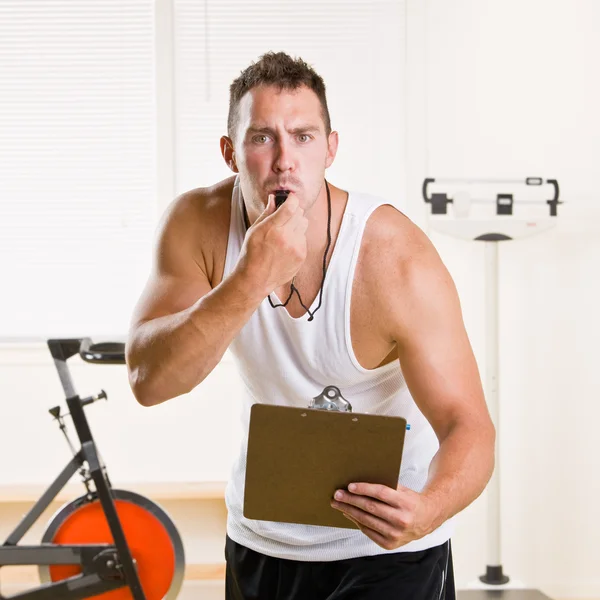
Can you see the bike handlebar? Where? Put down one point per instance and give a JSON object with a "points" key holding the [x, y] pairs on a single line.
{"points": [[108, 353]]}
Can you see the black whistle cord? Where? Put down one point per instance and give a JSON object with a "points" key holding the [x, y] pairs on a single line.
{"points": [[293, 288]]}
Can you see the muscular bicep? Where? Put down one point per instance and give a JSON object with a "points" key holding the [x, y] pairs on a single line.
{"points": [[177, 278], [434, 350]]}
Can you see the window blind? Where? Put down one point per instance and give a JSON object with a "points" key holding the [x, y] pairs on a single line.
{"points": [[77, 172]]}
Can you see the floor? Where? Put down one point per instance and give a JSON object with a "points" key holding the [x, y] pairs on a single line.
{"points": [[215, 591]]}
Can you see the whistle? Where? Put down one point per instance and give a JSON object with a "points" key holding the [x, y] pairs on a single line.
{"points": [[281, 197]]}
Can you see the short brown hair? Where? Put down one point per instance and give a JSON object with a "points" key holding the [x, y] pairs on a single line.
{"points": [[281, 70]]}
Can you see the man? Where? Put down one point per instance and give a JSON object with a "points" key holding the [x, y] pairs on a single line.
{"points": [[330, 288]]}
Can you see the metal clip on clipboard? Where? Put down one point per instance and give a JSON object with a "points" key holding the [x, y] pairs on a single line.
{"points": [[331, 399]]}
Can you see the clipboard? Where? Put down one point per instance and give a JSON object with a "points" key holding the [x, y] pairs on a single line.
{"points": [[298, 457]]}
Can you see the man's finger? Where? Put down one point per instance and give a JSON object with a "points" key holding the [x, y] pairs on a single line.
{"points": [[367, 505], [368, 520], [286, 211], [268, 210], [373, 490], [379, 539]]}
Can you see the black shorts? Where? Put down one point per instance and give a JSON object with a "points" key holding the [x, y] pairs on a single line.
{"points": [[424, 575]]}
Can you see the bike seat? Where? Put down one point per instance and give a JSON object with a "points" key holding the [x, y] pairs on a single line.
{"points": [[108, 353]]}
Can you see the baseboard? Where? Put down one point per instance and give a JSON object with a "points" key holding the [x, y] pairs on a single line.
{"points": [[157, 491]]}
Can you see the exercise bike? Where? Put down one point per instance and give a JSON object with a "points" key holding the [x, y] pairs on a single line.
{"points": [[109, 544]]}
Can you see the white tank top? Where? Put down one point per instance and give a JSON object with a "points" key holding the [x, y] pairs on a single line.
{"points": [[286, 360]]}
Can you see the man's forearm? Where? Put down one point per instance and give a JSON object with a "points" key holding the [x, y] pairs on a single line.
{"points": [[460, 470], [169, 356]]}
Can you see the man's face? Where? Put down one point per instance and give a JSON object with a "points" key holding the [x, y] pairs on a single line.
{"points": [[280, 143]]}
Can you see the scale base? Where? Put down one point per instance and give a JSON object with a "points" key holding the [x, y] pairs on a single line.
{"points": [[501, 594], [509, 585], [503, 588], [494, 576]]}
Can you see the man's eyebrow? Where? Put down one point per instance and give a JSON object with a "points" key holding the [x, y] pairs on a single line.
{"points": [[300, 129]]}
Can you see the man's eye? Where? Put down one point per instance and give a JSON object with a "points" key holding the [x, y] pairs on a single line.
{"points": [[305, 135], [260, 138]]}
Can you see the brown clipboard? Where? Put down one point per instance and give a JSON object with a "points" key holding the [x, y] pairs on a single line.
{"points": [[297, 458]]}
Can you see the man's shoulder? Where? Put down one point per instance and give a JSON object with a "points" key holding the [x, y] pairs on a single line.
{"points": [[398, 256], [201, 214], [197, 222], [203, 202], [392, 237], [400, 267]]}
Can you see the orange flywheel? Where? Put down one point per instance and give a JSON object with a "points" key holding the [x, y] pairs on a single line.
{"points": [[154, 542]]}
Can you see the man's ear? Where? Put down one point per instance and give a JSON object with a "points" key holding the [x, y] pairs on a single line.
{"points": [[228, 153], [332, 147]]}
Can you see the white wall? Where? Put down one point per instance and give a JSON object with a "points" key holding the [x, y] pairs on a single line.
{"points": [[193, 437], [494, 89], [511, 89]]}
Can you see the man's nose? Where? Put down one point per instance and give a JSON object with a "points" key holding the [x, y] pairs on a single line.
{"points": [[284, 160]]}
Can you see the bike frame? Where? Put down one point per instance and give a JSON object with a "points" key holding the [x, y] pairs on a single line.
{"points": [[105, 567]]}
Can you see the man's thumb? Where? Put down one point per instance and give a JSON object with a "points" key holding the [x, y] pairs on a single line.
{"points": [[269, 208]]}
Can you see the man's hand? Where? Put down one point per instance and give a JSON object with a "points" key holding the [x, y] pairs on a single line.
{"points": [[275, 247], [390, 517]]}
